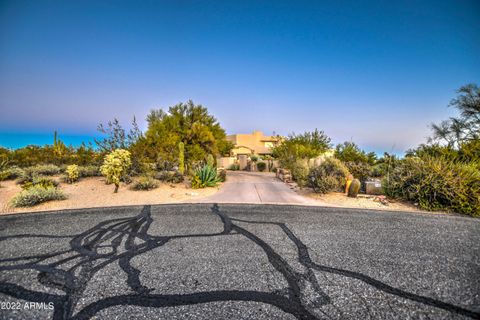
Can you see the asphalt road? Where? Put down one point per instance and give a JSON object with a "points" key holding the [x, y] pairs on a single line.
{"points": [[255, 187], [238, 262]]}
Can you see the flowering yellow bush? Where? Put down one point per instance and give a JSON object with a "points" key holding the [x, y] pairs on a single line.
{"points": [[72, 173], [115, 165]]}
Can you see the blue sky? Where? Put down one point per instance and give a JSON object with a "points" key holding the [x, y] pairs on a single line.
{"points": [[375, 72]]}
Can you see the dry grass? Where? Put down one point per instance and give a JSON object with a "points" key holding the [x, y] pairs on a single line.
{"points": [[93, 192]]}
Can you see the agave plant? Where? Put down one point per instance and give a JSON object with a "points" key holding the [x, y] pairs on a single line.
{"points": [[205, 176]]}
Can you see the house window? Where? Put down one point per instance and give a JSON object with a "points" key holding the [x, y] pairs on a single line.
{"points": [[269, 144]]}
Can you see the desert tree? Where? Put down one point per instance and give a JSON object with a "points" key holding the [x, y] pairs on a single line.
{"points": [[115, 136], [464, 128], [186, 123]]}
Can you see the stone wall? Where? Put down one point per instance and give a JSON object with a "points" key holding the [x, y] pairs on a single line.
{"points": [[226, 162]]}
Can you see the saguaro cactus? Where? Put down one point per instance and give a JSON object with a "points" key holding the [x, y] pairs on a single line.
{"points": [[181, 158], [56, 144]]}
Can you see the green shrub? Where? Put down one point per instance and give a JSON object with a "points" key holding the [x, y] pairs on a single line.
{"points": [[222, 175], [165, 165], [3, 169], [15, 172], [3, 176], [304, 146], [145, 183], [467, 151], [169, 176], [384, 166], [89, 171], [261, 166], [72, 173], [37, 194], [350, 152], [378, 170], [329, 176], [360, 170], [254, 158], [115, 166], [142, 168], [299, 170], [37, 172], [44, 182], [234, 167], [436, 184], [24, 178], [205, 176], [44, 169], [11, 173], [126, 178]]}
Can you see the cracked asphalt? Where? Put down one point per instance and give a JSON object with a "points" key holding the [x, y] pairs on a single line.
{"points": [[237, 261]]}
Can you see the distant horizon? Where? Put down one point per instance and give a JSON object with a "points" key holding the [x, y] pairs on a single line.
{"points": [[19, 140], [376, 73]]}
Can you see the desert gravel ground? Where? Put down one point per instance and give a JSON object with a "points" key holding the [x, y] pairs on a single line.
{"points": [[208, 261], [240, 187], [93, 192], [337, 199]]}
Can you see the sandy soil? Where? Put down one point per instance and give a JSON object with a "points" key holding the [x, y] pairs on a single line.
{"points": [[93, 192], [362, 201]]}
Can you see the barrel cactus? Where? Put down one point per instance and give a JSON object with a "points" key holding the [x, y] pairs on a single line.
{"points": [[354, 188]]}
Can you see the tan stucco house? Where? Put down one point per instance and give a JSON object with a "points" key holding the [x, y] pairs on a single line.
{"points": [[252, 143]]}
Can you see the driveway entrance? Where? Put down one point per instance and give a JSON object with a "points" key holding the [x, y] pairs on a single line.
{"points": [[256, 187]]}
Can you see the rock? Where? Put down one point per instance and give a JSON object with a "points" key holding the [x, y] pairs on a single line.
{"points": [[382, 199]]}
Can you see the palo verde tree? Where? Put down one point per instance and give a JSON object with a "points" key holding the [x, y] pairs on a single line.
{"points": [[191, 124], [115, 136], [351, 152], [301, 146], [358, 162], [465, 128], [457, 138], [294, 152]]}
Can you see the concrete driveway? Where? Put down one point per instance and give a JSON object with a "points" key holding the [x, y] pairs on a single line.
{"points": [[221, 261], [256, 187]]}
